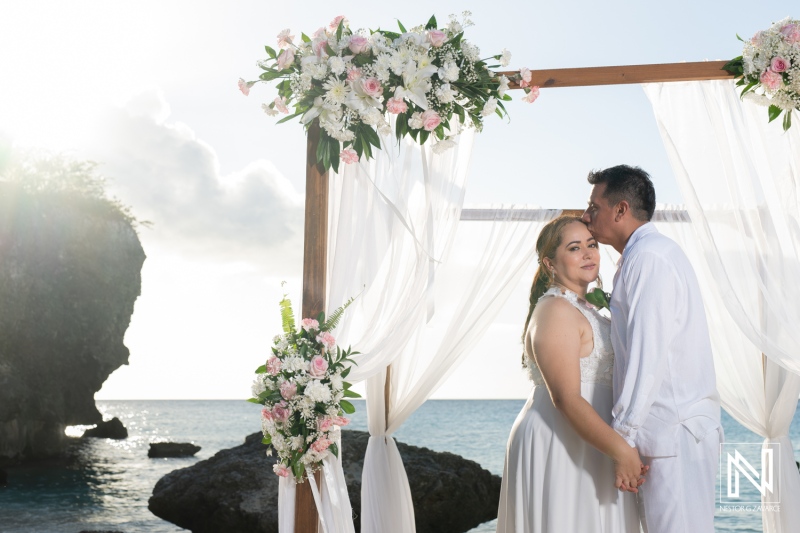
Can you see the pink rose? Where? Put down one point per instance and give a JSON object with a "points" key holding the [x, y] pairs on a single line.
{"points": [[280, 104], [281, 470], [431, 120], [266, 414], [288, 390], [779, 64], [353, 74], [532, 95], [321, 445], [396, 105], [358, 44], [318, 367], [348, 155], [525, 77], [341, 421], [285, 59], [326, 339], [274, 366], [324, 423], [284, 39], [771, 80], [280, 412], [244, 86], [437, 38], [372, 87], [309, 323], [791, 33], [334, 25]]}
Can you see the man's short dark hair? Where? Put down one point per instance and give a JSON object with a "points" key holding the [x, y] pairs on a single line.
{"points": [[631, 184]]}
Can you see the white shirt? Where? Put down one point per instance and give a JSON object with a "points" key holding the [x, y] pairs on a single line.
{"points": [[663, 369]]}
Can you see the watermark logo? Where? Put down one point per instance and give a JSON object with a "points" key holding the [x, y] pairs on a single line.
{"points": [[748, 473]]}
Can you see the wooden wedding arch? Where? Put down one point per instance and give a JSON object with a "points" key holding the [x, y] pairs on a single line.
{"points": [[315, 240]]}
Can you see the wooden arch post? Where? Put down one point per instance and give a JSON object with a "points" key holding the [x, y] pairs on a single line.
{"points": [[316, 213]]}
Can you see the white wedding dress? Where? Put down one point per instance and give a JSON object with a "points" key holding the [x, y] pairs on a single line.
{"points": [[554, 481]]}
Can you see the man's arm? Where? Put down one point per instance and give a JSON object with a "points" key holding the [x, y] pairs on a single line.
{"points": [[653, 291]]}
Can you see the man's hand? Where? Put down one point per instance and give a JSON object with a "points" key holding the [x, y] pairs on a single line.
{"points": [[629, 470]]}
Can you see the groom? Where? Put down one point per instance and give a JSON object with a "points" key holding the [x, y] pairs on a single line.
{"points": [[665, 398]]}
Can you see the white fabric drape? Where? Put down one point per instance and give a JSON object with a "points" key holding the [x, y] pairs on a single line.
{"points": [[739, 178]]}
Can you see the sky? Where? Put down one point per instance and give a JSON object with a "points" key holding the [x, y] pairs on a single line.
{"points": [[148, 89]]}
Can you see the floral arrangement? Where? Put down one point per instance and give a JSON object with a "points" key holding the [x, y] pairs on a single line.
{"points": [[302, 389], [769, 68], [353, 83]]}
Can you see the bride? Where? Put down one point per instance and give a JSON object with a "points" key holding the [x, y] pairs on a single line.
{"points": [[564, 463]]}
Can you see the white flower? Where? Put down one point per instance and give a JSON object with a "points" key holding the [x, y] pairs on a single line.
{"points": [[505, 58], [415, 122], [337, 383], [443, 146], [445, 94], [332, 411], [337, 65], [489, 106], [296, 442], [454, 26], [318, 391], [337, 91], [471, 52], [258, 386], [501, 90], [269, 110], [449, 72]]}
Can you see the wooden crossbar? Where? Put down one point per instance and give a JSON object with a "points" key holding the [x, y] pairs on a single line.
{"points": [[526, 214], [588, 76]]}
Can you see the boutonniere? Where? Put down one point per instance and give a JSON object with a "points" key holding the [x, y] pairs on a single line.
{"points": [[598, 298]]}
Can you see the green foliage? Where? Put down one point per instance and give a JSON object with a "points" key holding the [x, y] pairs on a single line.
{"points": [[287, 315], [336, 316]]}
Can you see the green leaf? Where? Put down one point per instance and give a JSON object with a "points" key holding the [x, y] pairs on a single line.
{"points": [[255, 400], [305, 38], [266, 440], [431, 25], [298, 469], [270, 75], [347, 407], [339, 30], [350, 394], [748, 88], [346, 371], [334, 450], [774, 112], [423, 136], [330, 50], [737, 36], [371, 136], [270, 52], [598, 298], [333, 320], [787, 120], [287, 315], [400, 25], [262, 369], [734, 66], [289, 117]]}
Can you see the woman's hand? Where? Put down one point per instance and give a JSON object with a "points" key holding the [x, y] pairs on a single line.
{"points": [[629, 469]]}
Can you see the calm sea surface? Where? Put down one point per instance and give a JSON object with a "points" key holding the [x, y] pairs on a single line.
{"points": [[109, 484]]}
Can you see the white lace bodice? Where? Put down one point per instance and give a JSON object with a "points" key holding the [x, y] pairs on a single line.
{"points": [[598, 366]]}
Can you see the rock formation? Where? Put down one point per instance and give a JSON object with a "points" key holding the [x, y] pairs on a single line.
{"points": [[236, 490], [110, 429], [69, 275], [172, 449]]}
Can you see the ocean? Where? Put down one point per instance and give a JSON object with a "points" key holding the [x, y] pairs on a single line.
{"points": [[108, 486]]}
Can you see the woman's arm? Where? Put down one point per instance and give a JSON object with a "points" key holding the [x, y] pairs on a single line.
{"points": [[555, 335]]}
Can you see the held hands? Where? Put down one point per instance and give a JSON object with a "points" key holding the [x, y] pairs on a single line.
{"points": [[629, 470]]}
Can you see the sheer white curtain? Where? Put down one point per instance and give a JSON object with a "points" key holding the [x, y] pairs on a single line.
{"points": [[739, 178]]}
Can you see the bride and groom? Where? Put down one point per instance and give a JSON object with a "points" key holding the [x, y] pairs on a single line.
{"points": [[622, 428]]}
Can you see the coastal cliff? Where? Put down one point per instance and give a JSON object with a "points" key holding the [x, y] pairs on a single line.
{"points": [[70, 272]]}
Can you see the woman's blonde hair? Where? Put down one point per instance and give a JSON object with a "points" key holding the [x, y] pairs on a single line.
{"points": [[546, 245]]}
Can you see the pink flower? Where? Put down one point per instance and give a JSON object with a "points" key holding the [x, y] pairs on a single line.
{"points": [[772, 80], [281, 470], [321, 445], [318, 367], [431, 120], [284, 39], [320, 47], [348, 155], [779, 64], [532, 95], [288, 390], [266, 414], [358, 44], [280, 104], [324, 423], [437, 38], [335, 23], [326, 339], [791, 33], [396, 105], [353, 74], [308, 324], [244, 86], [525, 77], [756, 39], [280, 412], [285, 59], [274, 366], [372, 87], [341, 421]]}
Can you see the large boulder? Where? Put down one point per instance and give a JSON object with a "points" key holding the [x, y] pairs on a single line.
{"points": [[110, 429], [236, 490], [69, 276]]}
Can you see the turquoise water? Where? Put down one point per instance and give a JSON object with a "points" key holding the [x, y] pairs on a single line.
{"points": [[108, 485]]}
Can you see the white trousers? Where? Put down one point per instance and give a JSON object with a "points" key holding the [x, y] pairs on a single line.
{"points": [[679, 494]]}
